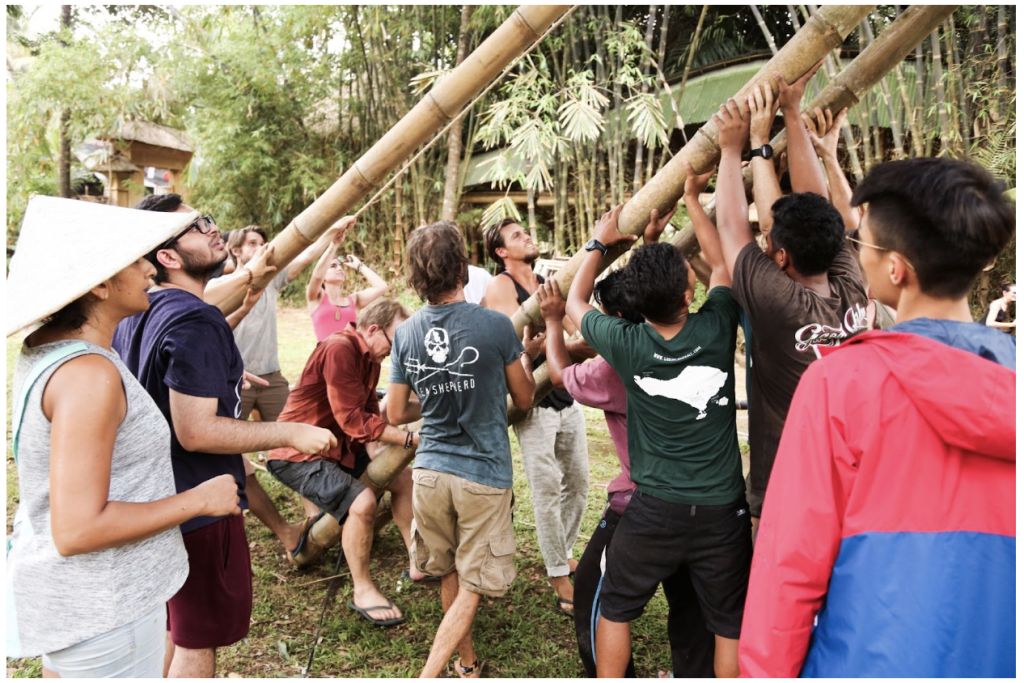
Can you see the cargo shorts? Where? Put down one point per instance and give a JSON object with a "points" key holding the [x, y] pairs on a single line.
{"points": [[463, 526]]}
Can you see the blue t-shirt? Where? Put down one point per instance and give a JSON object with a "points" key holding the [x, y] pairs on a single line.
{"points": [[987, 342], [184, 344], [454, 357]]}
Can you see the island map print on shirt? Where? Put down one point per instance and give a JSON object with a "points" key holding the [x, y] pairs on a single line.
{"points": [[696, 385]]}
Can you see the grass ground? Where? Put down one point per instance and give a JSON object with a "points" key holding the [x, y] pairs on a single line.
{"points": [[520, 635]]}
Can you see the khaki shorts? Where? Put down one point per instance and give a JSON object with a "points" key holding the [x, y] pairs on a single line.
{"points": [[463, 526]]}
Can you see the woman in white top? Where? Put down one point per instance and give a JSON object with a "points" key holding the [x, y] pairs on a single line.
{"points": [[96, 552]]}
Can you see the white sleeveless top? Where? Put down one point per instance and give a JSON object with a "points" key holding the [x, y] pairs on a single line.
{"points": [[60, 601]]}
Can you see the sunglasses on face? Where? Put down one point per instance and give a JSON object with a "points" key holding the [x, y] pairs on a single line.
{"points": [[204, 225]]}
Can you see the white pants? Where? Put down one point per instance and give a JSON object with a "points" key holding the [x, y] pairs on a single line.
{"points": [[135, 650]]}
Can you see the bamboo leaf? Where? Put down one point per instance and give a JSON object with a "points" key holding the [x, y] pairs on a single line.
{"points": [[647, 119]]}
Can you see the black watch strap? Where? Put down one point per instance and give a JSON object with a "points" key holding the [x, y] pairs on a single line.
{"points": [[594, 244], [764, 151]]}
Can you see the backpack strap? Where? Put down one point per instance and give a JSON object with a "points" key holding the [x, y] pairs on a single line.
{"points": [[48, 361]]}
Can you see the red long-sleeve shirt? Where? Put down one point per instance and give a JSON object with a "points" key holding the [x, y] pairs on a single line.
{"points": [[337, 391]]}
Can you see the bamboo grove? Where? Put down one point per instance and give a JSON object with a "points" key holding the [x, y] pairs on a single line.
{"points": [[281, 101]]}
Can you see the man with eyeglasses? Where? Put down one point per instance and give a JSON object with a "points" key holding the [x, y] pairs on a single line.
{"points": [[805, 291], [338, 391], [181, 350]]}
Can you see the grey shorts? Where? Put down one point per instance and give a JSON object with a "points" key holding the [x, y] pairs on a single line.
{"points": [[331, 487]]}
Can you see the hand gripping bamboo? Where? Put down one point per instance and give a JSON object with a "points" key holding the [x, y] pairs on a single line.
{"points": [[824, 31], [845, 90]]}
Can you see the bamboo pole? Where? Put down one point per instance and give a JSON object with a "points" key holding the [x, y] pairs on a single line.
{"points": [[825, 30], [885, 53], [429, 115]]}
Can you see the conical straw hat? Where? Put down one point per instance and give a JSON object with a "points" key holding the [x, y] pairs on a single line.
{"points": [[66, 247]]}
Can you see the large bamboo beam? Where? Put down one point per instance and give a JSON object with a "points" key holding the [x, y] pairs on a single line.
{"points": [[824, 31], [884, 54], [443, 103]]}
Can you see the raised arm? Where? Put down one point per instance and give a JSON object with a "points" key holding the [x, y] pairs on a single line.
{"points": [[85, 404], [333, 235], [220, 290], [314, 290], [993, 313], [519, 378], [251, 297], [823, 131], [606, 232], [377, 288], [552, 307], [707, 236], [730, 197], [766, 183], [804, 170]]}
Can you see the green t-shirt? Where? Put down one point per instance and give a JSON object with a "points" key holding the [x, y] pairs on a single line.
{"points": [[680, 401]]}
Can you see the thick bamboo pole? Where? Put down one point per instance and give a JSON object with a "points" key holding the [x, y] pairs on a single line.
{"points": [[826, 29], [885, 53], [845, 90], [436, 109]]}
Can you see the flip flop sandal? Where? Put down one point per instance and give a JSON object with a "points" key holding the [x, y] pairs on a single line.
{"points": [[377, 622], [303, 537], [566, 612], [473, 671], [406, 576]]}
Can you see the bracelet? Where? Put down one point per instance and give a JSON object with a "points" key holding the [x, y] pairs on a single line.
{"points": [[408, 440], [246, 269]]}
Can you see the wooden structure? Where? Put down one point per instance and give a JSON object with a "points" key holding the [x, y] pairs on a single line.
{"points": [[137, 145]]}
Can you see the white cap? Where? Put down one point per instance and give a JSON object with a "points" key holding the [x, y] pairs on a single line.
{"points": [[66, 247]]}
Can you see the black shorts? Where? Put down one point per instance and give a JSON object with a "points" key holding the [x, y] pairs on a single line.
{"points": [[331, 487], [656, 539]]}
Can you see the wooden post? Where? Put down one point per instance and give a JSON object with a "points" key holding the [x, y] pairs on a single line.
{"points": [[430, 114]]}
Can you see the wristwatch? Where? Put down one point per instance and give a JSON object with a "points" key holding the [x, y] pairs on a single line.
{"points": [[764, 151], [594, 244]]}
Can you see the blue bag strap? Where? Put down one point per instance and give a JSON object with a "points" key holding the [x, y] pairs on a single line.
{"points": [[48, 361]]}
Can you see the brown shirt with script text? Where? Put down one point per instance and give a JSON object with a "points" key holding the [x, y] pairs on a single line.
{"points": [[788, 321]]}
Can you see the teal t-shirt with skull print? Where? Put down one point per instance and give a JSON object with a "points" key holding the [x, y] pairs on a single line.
{"points": [[454, 356]]}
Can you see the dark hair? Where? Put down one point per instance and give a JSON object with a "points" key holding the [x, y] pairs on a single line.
{"points": [[72, 316], [656, 279], [164, 203], [436, 261], [494, 241], [810, 229], [1005, 285], [237, 237], [948, 218], [612, 296]]}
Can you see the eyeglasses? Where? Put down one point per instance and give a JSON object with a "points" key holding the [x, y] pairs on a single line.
{"points": [[858, 243], [391, 344], [204, 225]]}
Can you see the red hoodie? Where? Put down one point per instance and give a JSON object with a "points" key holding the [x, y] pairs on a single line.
{"points": [[887, 546]]}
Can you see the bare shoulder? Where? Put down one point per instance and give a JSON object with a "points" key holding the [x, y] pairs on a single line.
{"points": [[90, 381]]}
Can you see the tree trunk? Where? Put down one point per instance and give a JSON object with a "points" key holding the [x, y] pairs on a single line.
{"points": [[64, 160], [450, 204], [689, 58], [764, 29], [940, 94], [430, 114], [894, 123], [638, 160], [1001, 52], [399, 232], [916, 132], [956, 73], [662, 47]]}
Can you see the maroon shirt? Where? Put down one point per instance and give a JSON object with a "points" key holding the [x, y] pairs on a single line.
{"points": [[337, 391]]}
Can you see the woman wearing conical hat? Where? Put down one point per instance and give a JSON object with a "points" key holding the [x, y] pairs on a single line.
{"points": [[96, 552]]}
